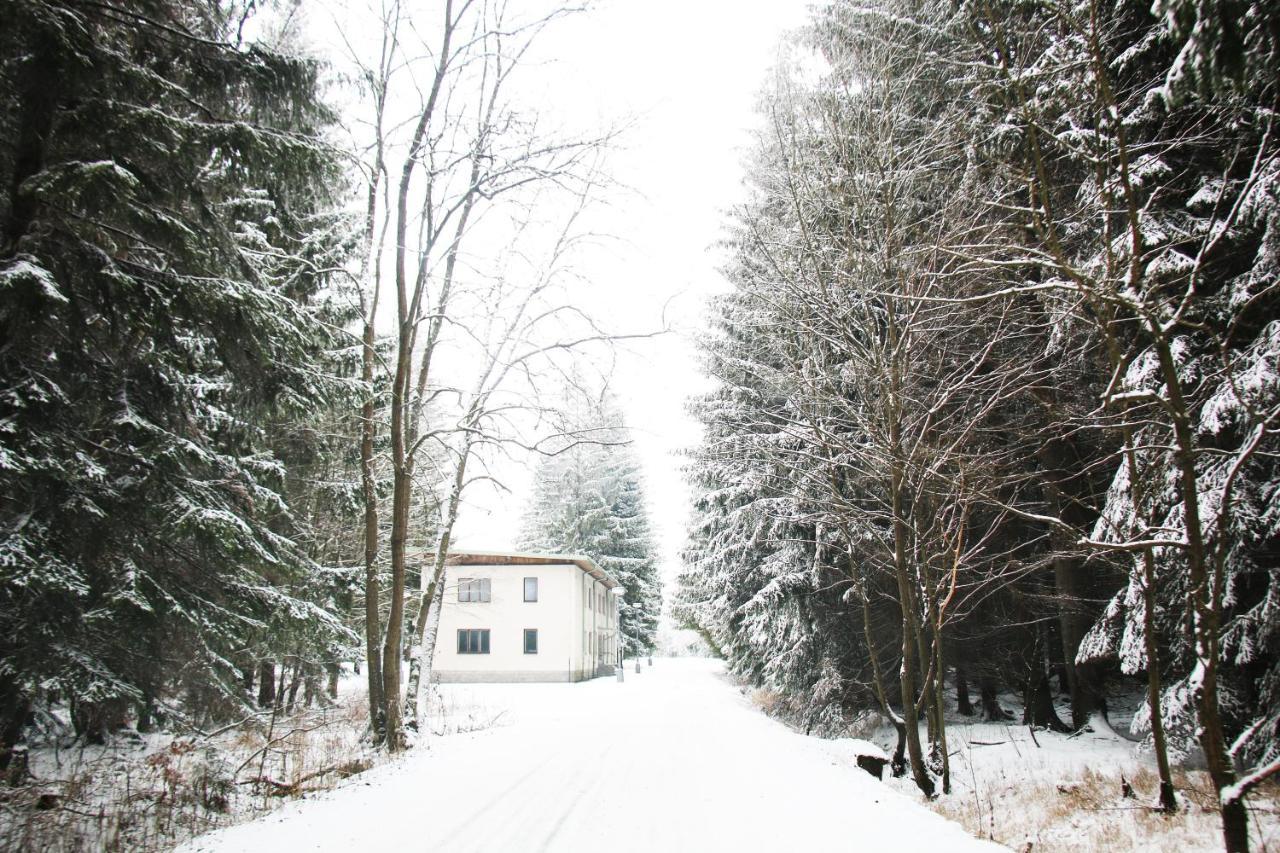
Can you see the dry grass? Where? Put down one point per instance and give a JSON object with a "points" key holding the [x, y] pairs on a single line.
{"points": [[154, 794], [770, 701], [1090, 811]]}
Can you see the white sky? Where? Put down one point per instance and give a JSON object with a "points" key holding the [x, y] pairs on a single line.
{"points": [[683, 75], [687, 72]]}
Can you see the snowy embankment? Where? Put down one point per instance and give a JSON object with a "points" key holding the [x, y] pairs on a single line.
{"points": [[149, 791], [1046, 792], [674, 758]]}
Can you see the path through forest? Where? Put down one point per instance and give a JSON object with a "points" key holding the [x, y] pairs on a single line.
{"points": [[675, 758]]}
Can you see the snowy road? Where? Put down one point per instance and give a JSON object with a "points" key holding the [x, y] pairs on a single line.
{"points": [[673, 759]]}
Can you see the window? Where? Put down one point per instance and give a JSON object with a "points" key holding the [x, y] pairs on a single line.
{"points": [[473, 641], [530, 641], [474, 589], [530, 589]]}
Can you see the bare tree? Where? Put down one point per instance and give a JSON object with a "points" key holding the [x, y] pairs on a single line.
{"points": [[463, 147]]}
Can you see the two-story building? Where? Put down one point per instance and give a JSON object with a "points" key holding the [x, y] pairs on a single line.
{"points": [[526, 617]]}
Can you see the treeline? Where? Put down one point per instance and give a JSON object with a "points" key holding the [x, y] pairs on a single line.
{"points": [[175, 484], [998, 381]]}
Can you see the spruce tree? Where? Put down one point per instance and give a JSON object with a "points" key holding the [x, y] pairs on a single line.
{"points": [[166, 248], [590, 500]]}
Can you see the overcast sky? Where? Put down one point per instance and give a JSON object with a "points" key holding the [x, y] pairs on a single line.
{"points": [[687, 72]]}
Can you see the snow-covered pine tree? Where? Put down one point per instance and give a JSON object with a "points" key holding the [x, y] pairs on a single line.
{"points": [[758, 580], [590, 500], [627, 552], [1148, 154], [165, 264]]}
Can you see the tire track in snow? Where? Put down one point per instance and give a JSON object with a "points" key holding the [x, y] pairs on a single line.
{"points": [[581, 792]]}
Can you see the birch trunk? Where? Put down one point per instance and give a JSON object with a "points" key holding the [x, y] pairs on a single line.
{"points": [[433, 595]]}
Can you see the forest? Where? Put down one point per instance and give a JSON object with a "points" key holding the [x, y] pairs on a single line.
{"points": [[997, 385], [992, 419]]}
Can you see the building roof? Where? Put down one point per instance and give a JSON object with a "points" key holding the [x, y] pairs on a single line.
{"points": [[503, 558]]}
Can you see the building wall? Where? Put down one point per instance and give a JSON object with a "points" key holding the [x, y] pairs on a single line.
{"points": [[598, 615], [576, 636], [506, 615]]}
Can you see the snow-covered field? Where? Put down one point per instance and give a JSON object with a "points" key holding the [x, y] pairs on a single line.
{"points": [[675, 758]]}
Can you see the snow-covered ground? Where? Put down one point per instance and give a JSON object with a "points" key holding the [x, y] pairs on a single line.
{"points": [[675, 758], [1052, 792]]}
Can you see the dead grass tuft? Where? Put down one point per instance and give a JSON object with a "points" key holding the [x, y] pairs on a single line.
{"points": [[770, 701]]}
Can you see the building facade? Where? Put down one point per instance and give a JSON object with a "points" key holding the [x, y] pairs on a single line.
{"points": [[526, 617]]}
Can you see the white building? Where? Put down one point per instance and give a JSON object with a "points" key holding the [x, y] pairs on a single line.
{"points": [[526, 617]]}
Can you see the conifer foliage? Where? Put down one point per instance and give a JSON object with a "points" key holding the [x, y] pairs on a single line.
{"points": [[166, 293], [590, 500]]}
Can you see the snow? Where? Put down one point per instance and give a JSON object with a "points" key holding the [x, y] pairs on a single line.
{"points": [[674, 758], [1064, 792], [866, 748], [23, 269]]}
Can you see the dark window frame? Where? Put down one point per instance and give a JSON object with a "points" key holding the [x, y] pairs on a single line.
{"points": [[473, 641], [530, 633], [527, 599]]}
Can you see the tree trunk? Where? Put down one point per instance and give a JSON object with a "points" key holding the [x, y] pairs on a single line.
{"points": [[901, 550], [941, 756], [402, 493], [423, 650], [266, 683], [898, 766], [371, 274], [433, 594], [910, 631], [1056, 457], [294, 683], [1205, 592], [1083, 681], [1168, 802], [372, 623], [334, 672], [991, 709], [963, 704], [146, 715], [1038, 707]]}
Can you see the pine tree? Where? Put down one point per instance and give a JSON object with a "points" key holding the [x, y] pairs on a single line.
{"points": [[166, 265], [590, 500], [626, 551]]}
